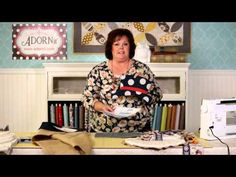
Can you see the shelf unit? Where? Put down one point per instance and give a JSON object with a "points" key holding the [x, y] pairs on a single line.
{"points": [[65, 81]]}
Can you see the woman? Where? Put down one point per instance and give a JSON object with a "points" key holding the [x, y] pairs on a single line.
{"points": [[121, 81]]}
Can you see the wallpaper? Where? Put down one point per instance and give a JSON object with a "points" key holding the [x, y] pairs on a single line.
{"points": [[213, 46]]}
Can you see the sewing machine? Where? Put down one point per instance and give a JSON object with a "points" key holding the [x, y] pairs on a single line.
{"points": [[218, 117]]}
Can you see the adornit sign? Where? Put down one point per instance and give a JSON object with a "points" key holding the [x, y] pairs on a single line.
{"points": [[39, 42]]}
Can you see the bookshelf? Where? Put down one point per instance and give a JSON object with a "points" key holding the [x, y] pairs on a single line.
{"points": [[173, 80], [65, 83]]}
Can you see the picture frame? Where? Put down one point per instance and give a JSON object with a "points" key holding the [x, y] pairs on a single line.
{"points": [[186, 47], [79, 37]]}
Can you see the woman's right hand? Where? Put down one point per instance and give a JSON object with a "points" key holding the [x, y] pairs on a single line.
{"points": [[99, 106]]}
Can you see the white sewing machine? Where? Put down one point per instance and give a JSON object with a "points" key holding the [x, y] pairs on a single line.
{"points": [[220, 116]]}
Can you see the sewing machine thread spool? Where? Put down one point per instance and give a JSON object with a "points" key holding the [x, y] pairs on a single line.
{"points": [[158, 136], [186, 149]]}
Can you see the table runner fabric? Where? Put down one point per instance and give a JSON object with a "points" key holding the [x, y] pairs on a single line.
{"points": [[63, 143]]}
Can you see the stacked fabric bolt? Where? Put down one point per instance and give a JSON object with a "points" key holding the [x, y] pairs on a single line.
{"points": [[7, 141]]}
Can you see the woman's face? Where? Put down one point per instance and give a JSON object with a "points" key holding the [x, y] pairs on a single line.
{"points": [[120, 48]]}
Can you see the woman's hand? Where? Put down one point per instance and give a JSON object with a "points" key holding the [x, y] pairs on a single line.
{"points": [[99, 106]]}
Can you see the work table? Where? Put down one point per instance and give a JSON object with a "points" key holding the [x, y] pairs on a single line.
{"points": [[116, 146]]}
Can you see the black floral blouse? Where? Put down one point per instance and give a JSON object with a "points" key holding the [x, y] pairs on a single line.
{"points": [[102, 83]]}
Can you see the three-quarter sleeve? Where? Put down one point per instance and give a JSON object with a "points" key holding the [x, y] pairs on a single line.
{"points": [[91, 92]]}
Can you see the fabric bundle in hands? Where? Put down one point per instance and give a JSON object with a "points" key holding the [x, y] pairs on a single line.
{"points": [[131, 85]]}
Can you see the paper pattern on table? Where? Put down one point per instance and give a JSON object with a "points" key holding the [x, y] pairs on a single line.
{"points": [[121, 112]]}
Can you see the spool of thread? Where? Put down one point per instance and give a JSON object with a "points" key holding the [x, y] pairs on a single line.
{"points": [[186, 149]]}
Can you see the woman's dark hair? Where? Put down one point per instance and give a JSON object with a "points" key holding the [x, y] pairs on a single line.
{"points": [[111, 39]]}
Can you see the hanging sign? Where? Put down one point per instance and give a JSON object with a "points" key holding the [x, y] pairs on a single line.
{"points": [[39, 42]]}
